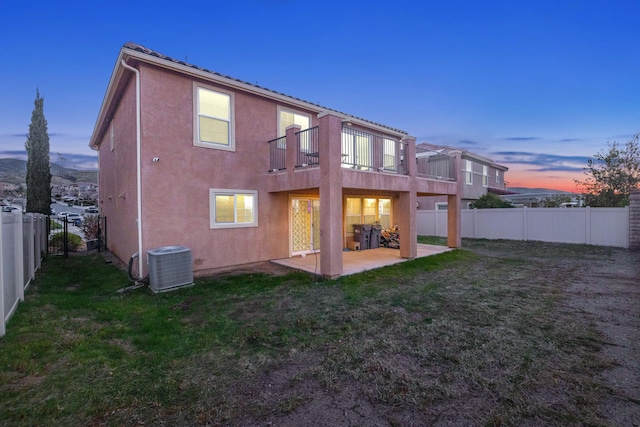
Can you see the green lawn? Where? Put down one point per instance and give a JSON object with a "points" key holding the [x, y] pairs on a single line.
{"points": [[462, 332]]}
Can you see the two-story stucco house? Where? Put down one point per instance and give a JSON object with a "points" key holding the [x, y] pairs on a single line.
{"points": [[242, 174], [479, 176]]}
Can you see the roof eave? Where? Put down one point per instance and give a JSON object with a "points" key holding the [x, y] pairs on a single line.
{"points": [[247, 87], [116, 75]]}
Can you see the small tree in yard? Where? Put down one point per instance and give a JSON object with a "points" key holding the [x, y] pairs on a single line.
{"points": [[490, 201], [611, 175], [90, 226], [556, 200], [38, 169]]}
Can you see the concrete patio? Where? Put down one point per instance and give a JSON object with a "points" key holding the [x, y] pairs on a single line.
{"points": [[358, 261]]}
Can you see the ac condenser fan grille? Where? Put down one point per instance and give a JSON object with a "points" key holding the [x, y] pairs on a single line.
{"points": [[170, 267]]}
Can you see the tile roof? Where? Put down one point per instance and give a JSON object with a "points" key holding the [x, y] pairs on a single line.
{"points": [[150, 52], [425, 147]]}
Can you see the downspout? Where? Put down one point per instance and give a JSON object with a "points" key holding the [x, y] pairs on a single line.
{"points": [[138, 163]]}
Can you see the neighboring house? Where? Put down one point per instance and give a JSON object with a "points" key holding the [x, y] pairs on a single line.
{"points": [[479, 176], [536, 199], [5, 186], [241, 174]]}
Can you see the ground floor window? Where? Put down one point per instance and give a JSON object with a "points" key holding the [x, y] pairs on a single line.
{"points": [[233, 208], [367, 210]]}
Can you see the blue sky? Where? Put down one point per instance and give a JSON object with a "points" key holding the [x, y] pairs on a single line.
{"points": [[535, 85]]}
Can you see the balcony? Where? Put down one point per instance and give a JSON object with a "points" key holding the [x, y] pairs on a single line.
{"points": [[438, 166], [368, 152], [361, 151], [357, 158]]}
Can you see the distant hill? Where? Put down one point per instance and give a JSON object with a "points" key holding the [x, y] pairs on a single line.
{"points": [[525, 190], [14, 171]]}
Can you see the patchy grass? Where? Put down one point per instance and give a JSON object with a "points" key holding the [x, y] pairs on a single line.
{"points": [[469, 336], [433, 240]]}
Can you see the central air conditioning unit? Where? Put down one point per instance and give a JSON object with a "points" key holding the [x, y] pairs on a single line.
{"points": [[170, 267]]}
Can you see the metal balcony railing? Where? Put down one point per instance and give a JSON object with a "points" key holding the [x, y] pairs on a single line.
{"points": [[368, 152], [307, 153], [277, 154]]}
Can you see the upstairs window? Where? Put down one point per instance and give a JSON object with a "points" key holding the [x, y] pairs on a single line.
{"points": [[356, 149], [389, 155], [497, 176], [468, 172], [214, 119], [485, 176], [288, 118]]}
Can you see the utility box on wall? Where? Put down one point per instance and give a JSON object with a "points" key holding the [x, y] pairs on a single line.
{"points": [[170, 267]]}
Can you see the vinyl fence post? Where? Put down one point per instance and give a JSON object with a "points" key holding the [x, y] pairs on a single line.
{"points": [[634, 220], [475, 223], [587, 222], [525, 224]]}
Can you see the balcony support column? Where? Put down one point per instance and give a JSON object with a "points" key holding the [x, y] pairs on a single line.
{"points": [[291, 150], [454, 202], [330, 156], [408, 205]]}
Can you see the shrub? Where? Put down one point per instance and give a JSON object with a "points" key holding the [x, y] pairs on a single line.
{"points": [[490, 201], [57, 240], [90, 226]]}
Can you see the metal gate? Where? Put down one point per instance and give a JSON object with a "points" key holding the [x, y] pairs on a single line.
{"points": [[65, 237]]}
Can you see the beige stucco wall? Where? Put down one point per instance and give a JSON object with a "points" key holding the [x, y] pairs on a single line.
{"points": [[175, 199], [117, 177], [175, 189]]}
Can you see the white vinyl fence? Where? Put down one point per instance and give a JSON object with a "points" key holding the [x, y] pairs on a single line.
{"points": [[591, 226], [23, 240]]}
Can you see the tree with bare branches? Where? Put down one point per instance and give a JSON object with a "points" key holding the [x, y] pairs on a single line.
{"points": [[611, 175]]}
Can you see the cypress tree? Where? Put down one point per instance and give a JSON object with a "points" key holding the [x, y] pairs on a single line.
{"points": [[38, 169]]}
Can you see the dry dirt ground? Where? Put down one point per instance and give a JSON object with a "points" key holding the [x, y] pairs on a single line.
{"points": [[600, 290], [604, 291], [608, 295]]}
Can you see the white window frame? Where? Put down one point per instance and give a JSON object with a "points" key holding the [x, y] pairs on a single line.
{"points": [[485, 176], [295, 113], [361, 215], [497, 176], [389, 155], [196, 121], [468, 172], [355, 147], [281, 133], [213, 192]]}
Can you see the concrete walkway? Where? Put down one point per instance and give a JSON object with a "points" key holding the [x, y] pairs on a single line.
{"points": [[358, 261]]}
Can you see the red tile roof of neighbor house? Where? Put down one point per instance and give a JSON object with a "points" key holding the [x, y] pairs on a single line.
{"points": [[145, 50]]}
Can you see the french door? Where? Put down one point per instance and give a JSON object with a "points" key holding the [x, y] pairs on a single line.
{"points": [[305, 225]]}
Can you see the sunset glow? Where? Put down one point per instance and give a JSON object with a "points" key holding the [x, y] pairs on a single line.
{"points": [[535, 86]]}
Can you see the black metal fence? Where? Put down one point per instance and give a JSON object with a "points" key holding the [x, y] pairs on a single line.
{"points": [[307, 149], [65, 237], [365, 151], [277, 154]]}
